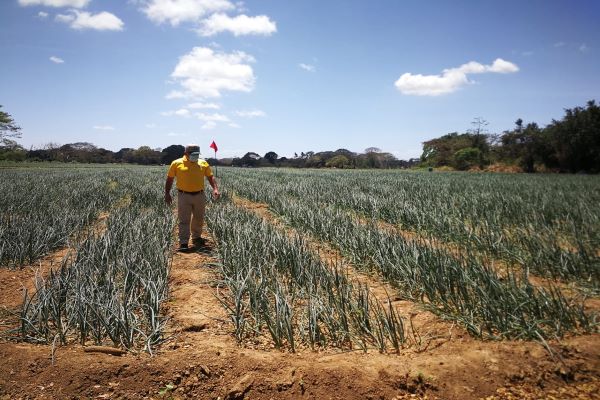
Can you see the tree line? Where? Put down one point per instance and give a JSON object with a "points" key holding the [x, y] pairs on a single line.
{"points": [[571, 144], [372, 157], [84, 152]]}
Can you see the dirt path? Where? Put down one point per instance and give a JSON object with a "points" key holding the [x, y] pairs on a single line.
{"points": [[203, 361], [14, 281]]}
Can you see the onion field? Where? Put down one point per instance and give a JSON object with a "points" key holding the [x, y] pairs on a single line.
{"points": [[503, 256], [111, 283]]}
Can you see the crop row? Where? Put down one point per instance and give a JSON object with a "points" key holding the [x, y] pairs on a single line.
{"points": [[43, 210], [547, 224], [458, 288], [113, 282], [273, 282]]}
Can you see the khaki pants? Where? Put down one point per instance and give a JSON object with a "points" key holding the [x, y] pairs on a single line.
{"points": [[190, 208]]}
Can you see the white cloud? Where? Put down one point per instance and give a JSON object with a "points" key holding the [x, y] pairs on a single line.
{"points": [[234, 125], [104, 127], [175, 94], [559, 44], [204, 73], [151, 126], [239, 25], [178, 11], [502, 67], [211, 120], [583, 48], [176, 134], [182, 112], [216, 117], [449, 80], [57, 60], [251, 114], [64, 18], [307, 67], [42, 15], [55, 3], [103, 21], [211, 106], [209, 125]]}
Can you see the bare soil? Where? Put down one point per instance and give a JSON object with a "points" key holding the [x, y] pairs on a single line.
{"points": [[202, 360]]}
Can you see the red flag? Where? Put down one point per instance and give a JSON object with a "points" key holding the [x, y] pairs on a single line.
{"points": [[213, 145]]}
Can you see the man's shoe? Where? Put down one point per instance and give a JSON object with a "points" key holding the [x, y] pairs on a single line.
{"points": [[199, 242], [183, 247]]}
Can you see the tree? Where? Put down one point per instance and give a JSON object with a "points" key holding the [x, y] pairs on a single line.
{"points": [[338, 161], [479, 126], [387, 160], [82, 146], [524, 146], [466, 158], [8, 128], [441, 151], [10, 150], [75, 152], [171, 153], [124, 155], [250, 159], [54, 151], [315, 161], [271, 157], [345, 152], [145, 155], [350, 155], [373, 159], [575, 140]]}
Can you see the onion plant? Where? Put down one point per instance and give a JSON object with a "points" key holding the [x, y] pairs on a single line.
{"points": [[275, 284], [111, 286], [463, 287]]}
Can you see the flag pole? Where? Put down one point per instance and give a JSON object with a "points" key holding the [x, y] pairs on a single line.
{"points": [[213, 146], [216, 165]]}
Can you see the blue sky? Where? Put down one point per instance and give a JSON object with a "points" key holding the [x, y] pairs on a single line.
{"points": [[290, 76]]}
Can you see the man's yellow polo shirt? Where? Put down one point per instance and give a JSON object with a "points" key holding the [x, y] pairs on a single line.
{"points": [[189, 175]]}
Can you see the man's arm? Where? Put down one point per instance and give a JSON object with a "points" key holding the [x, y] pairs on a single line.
{"points": [[168, 186], [213, 184]]}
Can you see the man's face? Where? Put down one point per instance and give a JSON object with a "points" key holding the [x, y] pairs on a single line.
{"points": [[194, 156]]}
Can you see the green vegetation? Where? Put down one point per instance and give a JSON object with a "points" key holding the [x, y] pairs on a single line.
{"points": [[465, 246], [462, 287], [45, 209], [8, 127], [277, 284], [569, 145], [111, 284]]}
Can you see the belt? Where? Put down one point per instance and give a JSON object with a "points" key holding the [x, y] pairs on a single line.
{"points": [[183, 191]]}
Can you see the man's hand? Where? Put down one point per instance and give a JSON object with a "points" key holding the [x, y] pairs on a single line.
{"points": [[213, 183], [168, 186]]}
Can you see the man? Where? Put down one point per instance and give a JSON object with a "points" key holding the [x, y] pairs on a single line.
{"points": [[190, 172]]}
